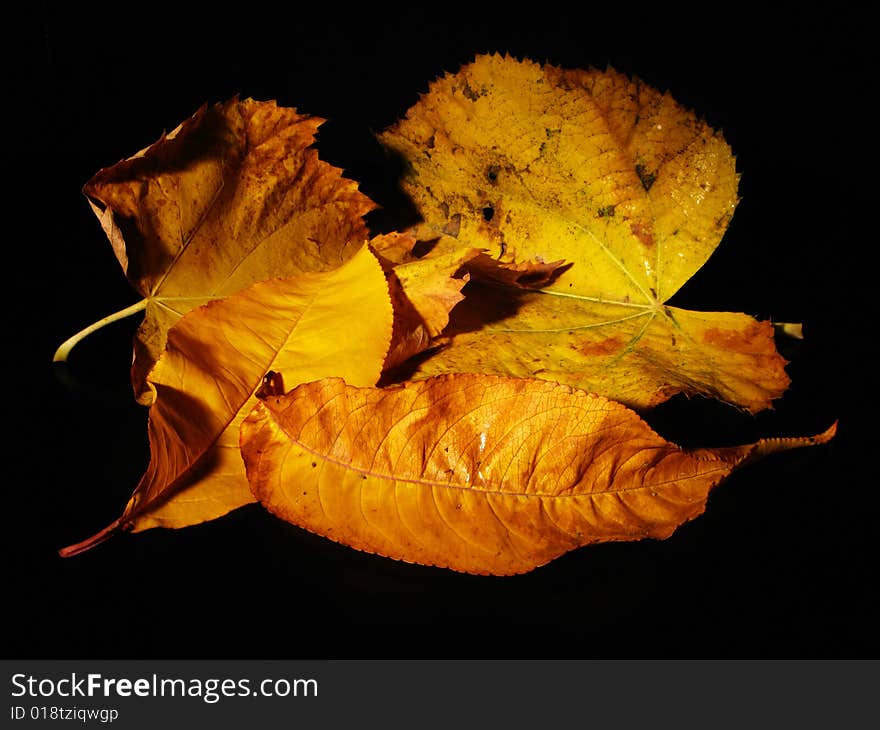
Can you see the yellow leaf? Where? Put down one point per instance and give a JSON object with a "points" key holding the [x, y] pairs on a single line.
{"points": [[214, 362], [639, 359], [592, 168], [480, 474], [233, 196]]}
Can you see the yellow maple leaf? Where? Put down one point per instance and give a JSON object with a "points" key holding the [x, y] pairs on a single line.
{"points": [[535, 163]]}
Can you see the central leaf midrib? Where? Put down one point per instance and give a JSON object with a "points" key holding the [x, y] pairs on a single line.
{"points": [[187, 240], [533, 201], [293, 440]]}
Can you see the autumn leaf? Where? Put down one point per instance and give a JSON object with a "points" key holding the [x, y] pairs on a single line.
{"points": [[233, 196], [309, 326], [426, 279], [562, 210], [519, 275], [481, 474], [536, 163], [424, 289]]}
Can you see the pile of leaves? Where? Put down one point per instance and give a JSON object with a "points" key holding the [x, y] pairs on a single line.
{"points": [[463, 393]]}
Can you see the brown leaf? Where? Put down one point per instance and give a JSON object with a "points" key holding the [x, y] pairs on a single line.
{"points": [[535, 163], [518, 275], [233, 196], [480, 474], [423, 291]]}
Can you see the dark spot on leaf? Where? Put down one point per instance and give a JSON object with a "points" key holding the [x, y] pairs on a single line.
{"points": [[488, 213], [732, 339], [314, 464], [646, 177], [606, 211], [722, 221], [608, 346], [492, 173], [643, 233], [468, 91]]}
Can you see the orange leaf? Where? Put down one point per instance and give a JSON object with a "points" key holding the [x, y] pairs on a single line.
{"points": [[480, 474], [233, 196], [535, 163], [423, 291], [215, 360]]}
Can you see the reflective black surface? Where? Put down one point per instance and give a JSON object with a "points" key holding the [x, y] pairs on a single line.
{"points": [[781, 564]]}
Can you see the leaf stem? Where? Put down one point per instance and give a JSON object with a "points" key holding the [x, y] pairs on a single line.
{"points": [[92, 541], [64, 350]]}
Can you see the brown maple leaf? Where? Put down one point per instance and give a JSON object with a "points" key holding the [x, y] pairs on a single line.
{"points": [[234, 195]]}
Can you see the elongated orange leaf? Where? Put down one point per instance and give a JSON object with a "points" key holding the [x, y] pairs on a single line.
{"points": [[536, 163], [233, 196], [310, 326], [481, 474]]}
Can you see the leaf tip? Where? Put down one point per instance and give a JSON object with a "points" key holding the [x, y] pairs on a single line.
{"points": [[826, 436], [775, 445]]}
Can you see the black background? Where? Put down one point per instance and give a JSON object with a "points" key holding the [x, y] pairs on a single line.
{"points": [[782, 564]]}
